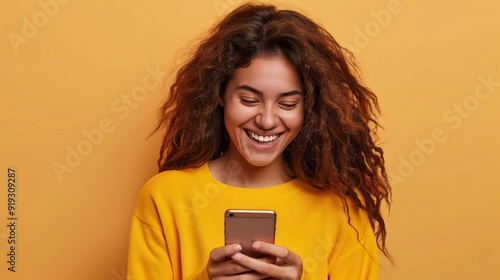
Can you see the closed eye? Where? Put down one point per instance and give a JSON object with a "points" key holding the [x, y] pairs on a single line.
{"points": [[288, 106], [246, 101]]}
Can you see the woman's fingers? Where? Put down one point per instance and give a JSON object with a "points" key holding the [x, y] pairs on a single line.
{"points": [[221, 265], [228, 268], [288, 265], [228, 263], [280, 252], [224, 253]]}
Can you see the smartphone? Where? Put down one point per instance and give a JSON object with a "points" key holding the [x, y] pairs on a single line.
{"points": [[246, 226]]}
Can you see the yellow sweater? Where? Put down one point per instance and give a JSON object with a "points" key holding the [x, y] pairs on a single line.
{"points": [[179, 219]]}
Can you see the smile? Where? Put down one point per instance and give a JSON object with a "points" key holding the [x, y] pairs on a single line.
{"points": [[262, 138]]}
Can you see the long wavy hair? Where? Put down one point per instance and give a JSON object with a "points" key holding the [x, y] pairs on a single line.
{"points": [[334, 151]]}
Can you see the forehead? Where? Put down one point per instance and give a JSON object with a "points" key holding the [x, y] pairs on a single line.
{"points": [[267, 74]]}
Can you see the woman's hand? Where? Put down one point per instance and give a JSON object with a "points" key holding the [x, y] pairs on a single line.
{"points": [[286, 265], [227, 261], [222, 266]]}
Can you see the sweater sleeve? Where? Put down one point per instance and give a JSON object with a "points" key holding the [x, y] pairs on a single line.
{"points": [[200, 275], [153, 248], [307, 276], [357, 260], [148, 256]]}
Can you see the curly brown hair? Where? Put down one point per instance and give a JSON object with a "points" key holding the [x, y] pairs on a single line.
{"points": [[334, 151]]}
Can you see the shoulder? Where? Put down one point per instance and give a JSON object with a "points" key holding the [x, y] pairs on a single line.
{"points": [[164, 190], [341, 208], [358, 218], [173, 181], [170, 185]]}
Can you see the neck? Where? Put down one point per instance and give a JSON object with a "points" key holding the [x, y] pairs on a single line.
{"points": [[236, 171]]}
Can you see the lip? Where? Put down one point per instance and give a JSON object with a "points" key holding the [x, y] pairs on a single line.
{"points": [[263, 146]]}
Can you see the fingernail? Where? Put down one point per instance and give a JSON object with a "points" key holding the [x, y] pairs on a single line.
{"points": [[256, 244], [237, 247], [236, 256]]}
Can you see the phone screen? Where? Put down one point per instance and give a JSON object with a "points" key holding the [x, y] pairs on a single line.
{"points": [[246, 226]]}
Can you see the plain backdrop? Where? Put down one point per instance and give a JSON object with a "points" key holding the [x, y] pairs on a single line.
{"points": [[81, 82]]}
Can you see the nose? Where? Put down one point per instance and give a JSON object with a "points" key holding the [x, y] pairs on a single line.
{"points": [[267, 118]]}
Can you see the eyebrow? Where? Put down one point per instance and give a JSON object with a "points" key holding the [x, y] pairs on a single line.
{"points": [[256, 91]]}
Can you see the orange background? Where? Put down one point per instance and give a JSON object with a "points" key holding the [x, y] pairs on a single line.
{"points": [[80, 86]]}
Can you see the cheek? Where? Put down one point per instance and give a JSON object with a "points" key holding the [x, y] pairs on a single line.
{"points": [[234, 118], [297, 124], [295, 120], [237, 115]]}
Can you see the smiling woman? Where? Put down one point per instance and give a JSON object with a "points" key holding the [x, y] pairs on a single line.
{"points": [[263, 113], [267, 114]]}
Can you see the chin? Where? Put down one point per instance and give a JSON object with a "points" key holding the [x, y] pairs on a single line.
{"points": [[260, 162]]}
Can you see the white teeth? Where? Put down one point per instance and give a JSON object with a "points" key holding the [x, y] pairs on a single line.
{"points": [[261, 138]]}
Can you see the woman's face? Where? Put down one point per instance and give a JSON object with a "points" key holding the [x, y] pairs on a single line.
{"points": [[263, 111]]}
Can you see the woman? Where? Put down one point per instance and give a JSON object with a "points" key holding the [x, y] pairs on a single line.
{"points": [[267, 114]]}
